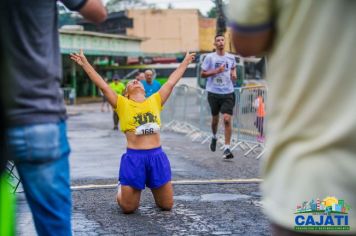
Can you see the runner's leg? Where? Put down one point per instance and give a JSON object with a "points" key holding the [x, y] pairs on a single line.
{"points": [[128, 198], [214, 103], [164, 196], [227, 128], [214, 124], [227, 108]]}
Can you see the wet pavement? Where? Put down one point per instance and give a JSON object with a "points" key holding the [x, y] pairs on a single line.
{"points": [[198, 210], [206, 203]]}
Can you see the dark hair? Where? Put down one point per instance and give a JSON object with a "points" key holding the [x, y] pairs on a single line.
{"points": [[219, 35]]}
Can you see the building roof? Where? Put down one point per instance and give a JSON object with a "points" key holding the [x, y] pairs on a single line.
{"points": [[104, 35], [111, 15]]}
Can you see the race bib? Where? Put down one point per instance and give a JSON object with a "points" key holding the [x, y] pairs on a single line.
{"points": [[218, 81], [148, 128]]}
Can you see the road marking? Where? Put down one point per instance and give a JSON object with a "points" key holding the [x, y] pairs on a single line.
{"points": [[178, 182]]}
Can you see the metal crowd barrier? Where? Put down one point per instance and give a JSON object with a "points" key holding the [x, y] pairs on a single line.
{"points": [[250, 115], [187, 111], [181, 111], [14, 179]]}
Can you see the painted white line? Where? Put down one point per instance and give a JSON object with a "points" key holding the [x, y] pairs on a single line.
{"points": [[178, 182]]}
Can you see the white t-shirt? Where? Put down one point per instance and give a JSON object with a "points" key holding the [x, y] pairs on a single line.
{"points": [[311, 123], [220, 83]]}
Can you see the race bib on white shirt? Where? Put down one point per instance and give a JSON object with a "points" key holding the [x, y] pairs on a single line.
{"points": [[219, 81], [148, 128]]}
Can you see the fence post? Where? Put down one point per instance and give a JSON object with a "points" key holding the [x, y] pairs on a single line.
{"points": [[185, 90]]}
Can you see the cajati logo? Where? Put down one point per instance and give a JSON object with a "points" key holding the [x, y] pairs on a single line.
{"points": [[322, 215]]}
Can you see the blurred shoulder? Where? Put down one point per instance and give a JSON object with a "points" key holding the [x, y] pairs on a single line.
{"points": [[229, 55], [210, 55]]}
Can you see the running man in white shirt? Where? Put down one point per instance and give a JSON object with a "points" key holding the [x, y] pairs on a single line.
{"points": [[219, 68]]}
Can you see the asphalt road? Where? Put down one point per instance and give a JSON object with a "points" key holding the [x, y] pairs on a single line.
{"points": [[212, 196]]}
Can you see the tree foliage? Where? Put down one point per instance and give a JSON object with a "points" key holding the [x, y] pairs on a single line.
{"points": [[212, 13], [120, 5]]}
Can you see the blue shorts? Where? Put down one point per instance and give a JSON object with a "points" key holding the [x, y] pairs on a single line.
{"points": [[140, 168]]}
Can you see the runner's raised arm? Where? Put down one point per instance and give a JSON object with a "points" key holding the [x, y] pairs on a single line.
{"points": [[173, 79], [81, 60]]}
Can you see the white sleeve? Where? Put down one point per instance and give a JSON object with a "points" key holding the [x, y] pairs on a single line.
{"points": [[206, 65]]}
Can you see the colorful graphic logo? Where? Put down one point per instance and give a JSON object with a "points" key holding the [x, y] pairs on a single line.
{"points": [[144, 118], [322, 215]]}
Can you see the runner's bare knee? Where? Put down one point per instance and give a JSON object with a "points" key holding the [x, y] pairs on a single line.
{"points": [[227, 119], [128, 208], [166, 206]]}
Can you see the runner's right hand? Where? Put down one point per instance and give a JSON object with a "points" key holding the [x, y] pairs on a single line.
{"points": [[221, 69], [79, 58], [189, 57]]}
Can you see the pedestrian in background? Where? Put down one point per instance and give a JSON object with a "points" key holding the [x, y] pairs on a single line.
{"points": [[119, 88], [311, 130], [259, 105], [141, 76], [151, 85], [37, 134]]}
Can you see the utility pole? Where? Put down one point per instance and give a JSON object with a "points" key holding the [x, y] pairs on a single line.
{"points": [[221, 19]]}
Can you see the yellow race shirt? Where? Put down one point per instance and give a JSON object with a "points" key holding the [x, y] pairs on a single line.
{"points": [[134, 114]]}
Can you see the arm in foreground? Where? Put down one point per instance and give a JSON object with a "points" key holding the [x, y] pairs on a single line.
{"points": [[254, 44], [94, 11]]}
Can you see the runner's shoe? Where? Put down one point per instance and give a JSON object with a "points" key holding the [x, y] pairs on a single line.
{"points": [[228, 154], [213, 144]]}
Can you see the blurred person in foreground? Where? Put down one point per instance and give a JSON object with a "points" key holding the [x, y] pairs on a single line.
{"points": [[311, 125], [7, 211], [144, 163], [37, 133], [151, 85], [119, 88]]}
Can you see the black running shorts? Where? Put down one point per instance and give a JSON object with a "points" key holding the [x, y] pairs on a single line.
{"points": [[223, 103]]}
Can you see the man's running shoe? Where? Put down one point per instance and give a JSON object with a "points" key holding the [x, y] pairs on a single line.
{"points": [[213, 144], [228, 154]]}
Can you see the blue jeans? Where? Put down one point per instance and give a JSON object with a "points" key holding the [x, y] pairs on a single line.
{"points": [[40, 152]]}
